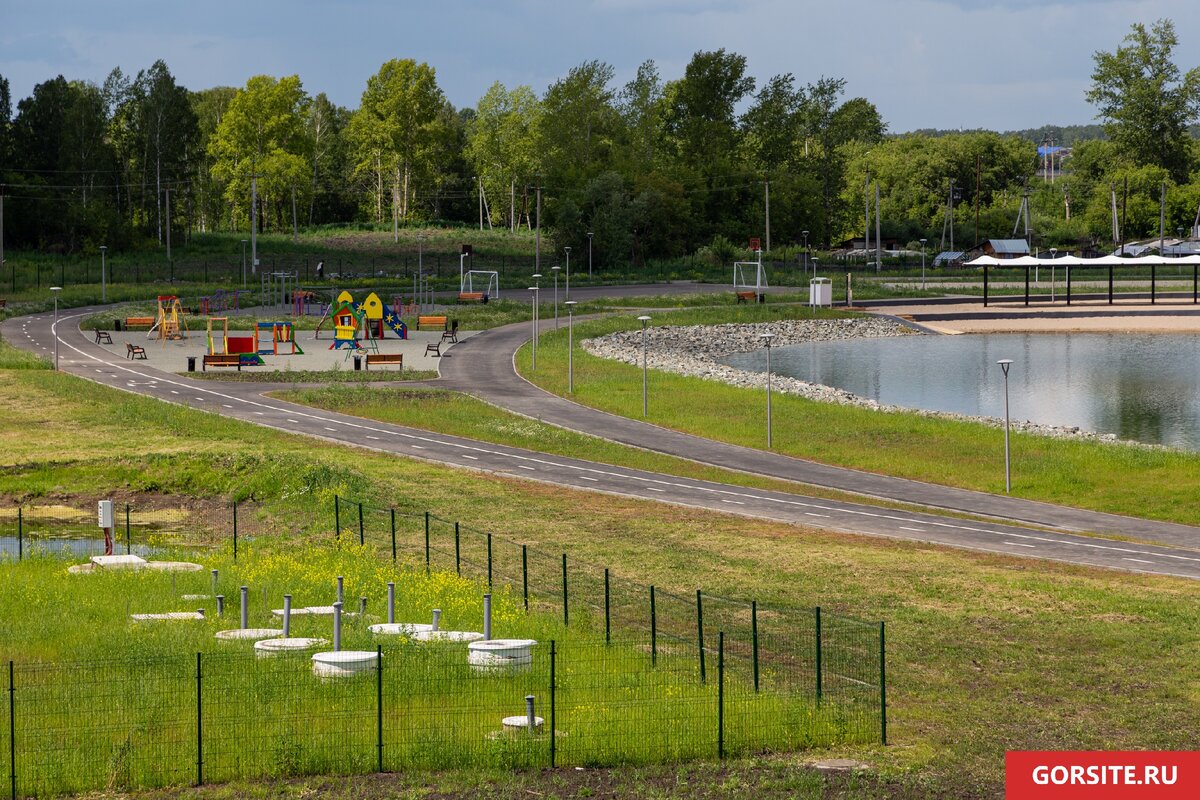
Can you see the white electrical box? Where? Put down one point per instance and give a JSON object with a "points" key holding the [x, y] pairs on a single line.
{"points": [[105, 513]]}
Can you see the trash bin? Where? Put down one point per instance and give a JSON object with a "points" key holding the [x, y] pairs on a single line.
{"points": [[820, 292], [191, 363], [117, 325], [357, 363]]}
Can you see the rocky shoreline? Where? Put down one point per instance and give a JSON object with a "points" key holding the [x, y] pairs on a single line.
{"points": [[694, 351]]}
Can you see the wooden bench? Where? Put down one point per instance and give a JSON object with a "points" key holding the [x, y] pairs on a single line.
{"points": [[134, 350], [140, 322], [222, 360], [386, 358], [431, 322], [747, 297], [102, 337], [471, 297]]}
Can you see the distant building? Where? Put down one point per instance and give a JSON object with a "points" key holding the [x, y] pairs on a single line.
{"points": [[1003, 248], [949, 258]]}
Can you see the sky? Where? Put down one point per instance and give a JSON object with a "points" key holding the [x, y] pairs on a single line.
{"points": [[923, 63]]}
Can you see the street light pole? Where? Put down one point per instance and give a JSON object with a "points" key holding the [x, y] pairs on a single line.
{"points": [[570, 346], [568, 292], [54, 330], [103, 281], [805, 235], [1053, 256], [1005, 363], [555, 269], [644, 319], [923, 264], [461, 284], [766, 340], [533, 294], [243, 263], [589, 254]]}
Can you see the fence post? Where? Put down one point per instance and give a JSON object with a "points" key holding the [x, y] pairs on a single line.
{"points": [[457, 551], [721, 694], [20, 535], [489, 543], [553, 734], [653, 630], [882, 688], [199, 727], [379, 703], [700, 632], [337, 519], [393, 534], [235, 530], [360, 524], [12, 729], [525, 574], [817, 617], [754, 638], [128, 547], [607, 617], [427, 541], [566, 617]]}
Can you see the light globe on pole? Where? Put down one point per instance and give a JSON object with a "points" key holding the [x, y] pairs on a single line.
{"points": [[766, 338], [1005, 363], [54, 330], [644, 320]]}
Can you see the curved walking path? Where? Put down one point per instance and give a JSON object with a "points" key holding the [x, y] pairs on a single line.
{"points": [[483, 367], [247, 402]]}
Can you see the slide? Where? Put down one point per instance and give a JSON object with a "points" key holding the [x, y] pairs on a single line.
{"points": [[395, 323]]}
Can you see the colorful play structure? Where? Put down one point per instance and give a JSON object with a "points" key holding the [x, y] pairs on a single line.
{"points": [[355, 322], [169, 324], [242, 343]]}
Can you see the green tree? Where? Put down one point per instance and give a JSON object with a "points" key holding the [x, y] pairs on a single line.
{"points": [[395, 133], [1144, 100], [262, 133], [579, 125], [502, 143]]}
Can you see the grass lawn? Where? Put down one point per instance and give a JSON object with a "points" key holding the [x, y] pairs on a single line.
{"points": [[986, 652], [1131, 480], [338, 376]]}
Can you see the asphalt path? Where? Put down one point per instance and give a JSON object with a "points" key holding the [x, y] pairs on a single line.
{"points": [[245, 401]]}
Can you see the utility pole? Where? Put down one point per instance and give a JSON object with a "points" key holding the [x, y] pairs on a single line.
{"points": [[1162, 217], [168, 224], [537, 247], [254, 224], [978, 171], [867, 215], [479, 192], [1124, 205], [767, 204], [14, 287], [950, 213], [295, 230]]}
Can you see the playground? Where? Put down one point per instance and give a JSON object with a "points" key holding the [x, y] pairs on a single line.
{"points": [[296, 332]]}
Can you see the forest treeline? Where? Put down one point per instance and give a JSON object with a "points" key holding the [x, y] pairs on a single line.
{"points": [[653, 168]]}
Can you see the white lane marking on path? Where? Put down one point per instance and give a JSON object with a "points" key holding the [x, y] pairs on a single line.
{"points": [[522, 466], [1018, 544], [914, 530], [376, 438], [473, 458], [1138, 560]]}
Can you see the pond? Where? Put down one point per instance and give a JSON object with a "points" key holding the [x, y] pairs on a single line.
{"points": [[1143, 387]]}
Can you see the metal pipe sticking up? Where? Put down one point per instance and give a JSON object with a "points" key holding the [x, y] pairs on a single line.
{"points": [[391, 617], [287, 615], [245, 607], [362, 606], [214, 577], [529, 712], [487, 617], [341, 592], [220, 605], [337, 626], [437, 615]]}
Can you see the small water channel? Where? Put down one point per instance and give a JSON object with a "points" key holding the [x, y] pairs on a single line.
{"points": [[1143, 387]]}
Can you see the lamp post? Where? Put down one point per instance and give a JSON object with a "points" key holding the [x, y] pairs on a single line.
{"points": [[1053, 256], [103, 281], [461, 284], [243, 263], [805, 235], [54, 330], [555, 269], [589, 254], [923, 264], [568, 292], [644, 319], [533, 293], [570, 346], [1005, 363], [766, 340]]}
